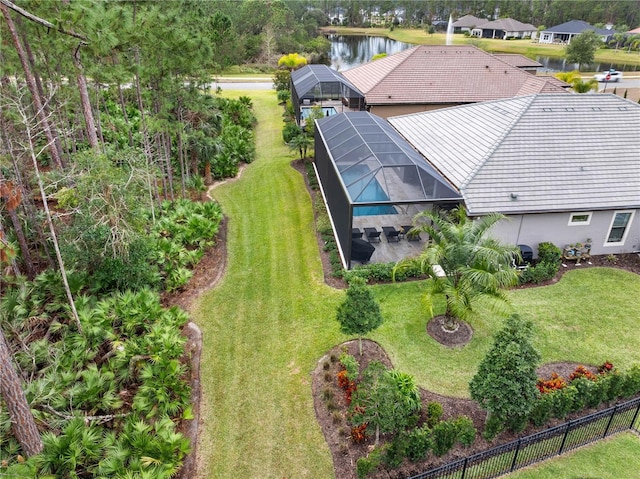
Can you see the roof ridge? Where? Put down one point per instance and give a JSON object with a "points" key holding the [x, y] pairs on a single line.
{"points": [[408, 53], [474, 171]]}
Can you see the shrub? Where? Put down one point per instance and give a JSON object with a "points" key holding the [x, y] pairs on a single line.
{"points": [[466, 431], [542, 410], [492, 427], [543, 271], [418, 443], [631, 383], [290, 131], [554, 383], [351, 366], [563, 400], [582, 372], [358, 433], [366, 465], [444, 435], [549, 253], [395, 452], [434, 413]]}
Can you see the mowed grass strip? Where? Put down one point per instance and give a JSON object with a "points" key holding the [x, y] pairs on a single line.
{"points": [[268, 322], [272, 318]]}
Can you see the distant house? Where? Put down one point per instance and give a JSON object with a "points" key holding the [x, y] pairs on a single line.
{"points": [[562, 168], [635, 31], [565, 32], [430, 77], [467, 23], [505, 28]]}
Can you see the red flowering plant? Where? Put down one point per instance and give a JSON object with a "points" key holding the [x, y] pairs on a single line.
{"points": [[582, 372], [605, 367], [554, 383], [358, 433], [345, 383]]}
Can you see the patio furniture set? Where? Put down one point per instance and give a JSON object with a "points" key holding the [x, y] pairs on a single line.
{"points": [[392, 234]]}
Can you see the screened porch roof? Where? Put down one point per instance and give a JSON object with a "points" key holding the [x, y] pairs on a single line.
{"points": [[311, 81], [376, 165]]}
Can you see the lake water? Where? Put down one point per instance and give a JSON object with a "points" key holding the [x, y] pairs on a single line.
{"points": [[348, 51]]}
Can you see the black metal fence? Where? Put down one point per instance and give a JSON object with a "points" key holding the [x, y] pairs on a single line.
{"points": [[542, 445]]}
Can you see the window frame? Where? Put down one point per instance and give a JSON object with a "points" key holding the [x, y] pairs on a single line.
{"points": [[588, 214], [626, 228]]}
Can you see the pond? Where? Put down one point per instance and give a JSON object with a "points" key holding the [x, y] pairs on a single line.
{"points": [[348, 51]]}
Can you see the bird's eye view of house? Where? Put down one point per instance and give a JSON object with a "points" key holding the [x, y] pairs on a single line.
{"points": [[445, 126]]}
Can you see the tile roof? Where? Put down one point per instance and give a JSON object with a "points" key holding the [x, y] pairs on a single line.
{"points": [[518, 60], [508, 25], [570, 152], [577, 26], [437, 74], [468, 21]]}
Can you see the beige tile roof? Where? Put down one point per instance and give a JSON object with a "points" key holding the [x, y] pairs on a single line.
{"points": [[436, 74], [518, 60]]}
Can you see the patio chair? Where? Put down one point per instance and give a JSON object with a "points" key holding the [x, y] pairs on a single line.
{"points": [[356, 233], [409, 234], [391, 234], [373, 235]]}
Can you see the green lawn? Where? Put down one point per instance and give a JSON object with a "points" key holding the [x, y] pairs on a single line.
{"points": [[613, 458], [272, 318]]}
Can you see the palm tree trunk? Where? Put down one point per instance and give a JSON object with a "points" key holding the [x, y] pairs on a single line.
{"points": [[22, 422]]}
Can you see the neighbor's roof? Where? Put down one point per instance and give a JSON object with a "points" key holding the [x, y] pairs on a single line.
{"points": [[635, 31], [552, 152], [508, 25], [577, 26], [431, 74], [468, 21], [305, 79], [518, 60]]}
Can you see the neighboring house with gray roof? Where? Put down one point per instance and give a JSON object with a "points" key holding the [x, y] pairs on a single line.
{"points": [[565, 32], [429, 77], [467, 23], [505, 28], [562, 168]]}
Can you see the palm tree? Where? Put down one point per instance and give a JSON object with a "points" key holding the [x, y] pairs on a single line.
{"points": [[580, 86], [464, 264], [301, 143]]}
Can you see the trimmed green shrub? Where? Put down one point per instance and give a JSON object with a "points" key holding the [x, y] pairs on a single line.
{"points": [[549, 253], [492, 427], [395, 452], [631, 384], [418, 443], [466, 431], [563, 400], [434, 413], [542, 410], [539, 273], [367, 465], [444, 435], [351, 365]]}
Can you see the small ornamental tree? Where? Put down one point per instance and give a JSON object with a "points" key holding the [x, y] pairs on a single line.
{"points": [[505, 384], [582, 48], [359, 313], [387, 401]]}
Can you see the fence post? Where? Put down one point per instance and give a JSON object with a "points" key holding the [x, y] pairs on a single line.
{"points": [[635, 416], [515, 456], [564, 439], [613, 413], [464, 467]]}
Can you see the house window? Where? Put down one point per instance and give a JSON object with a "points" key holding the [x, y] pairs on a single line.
{"points": [[619, 227], [580, 219]]}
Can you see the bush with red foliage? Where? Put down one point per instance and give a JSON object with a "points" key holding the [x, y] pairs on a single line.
{"points": [[552, 384], [582, 372]]}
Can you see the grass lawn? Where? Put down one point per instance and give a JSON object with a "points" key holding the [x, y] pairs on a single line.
{"points": [[525, 47], [613, 458], [272, 318]]}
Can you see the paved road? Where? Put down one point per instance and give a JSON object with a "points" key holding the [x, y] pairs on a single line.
{"points": [[626, 82], [239, 84]]}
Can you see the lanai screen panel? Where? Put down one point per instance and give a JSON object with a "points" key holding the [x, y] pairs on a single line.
{"points": [[376, 165]]}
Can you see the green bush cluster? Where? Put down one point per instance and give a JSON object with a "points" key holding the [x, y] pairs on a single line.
{"points": [[126, 364], [384, 272], [585, 393], [547, 266]]}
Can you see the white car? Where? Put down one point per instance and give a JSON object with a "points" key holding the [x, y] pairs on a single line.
{"points": [[611, 75]]}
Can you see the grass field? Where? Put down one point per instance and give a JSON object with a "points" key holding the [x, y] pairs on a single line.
{"points": [[272, 318]]}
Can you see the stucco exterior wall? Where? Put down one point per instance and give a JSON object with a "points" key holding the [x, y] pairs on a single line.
{"points": [[554, 227]]}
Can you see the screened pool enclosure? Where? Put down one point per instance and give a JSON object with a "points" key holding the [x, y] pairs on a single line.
{"points": [[370, 176], [320, 85]]}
